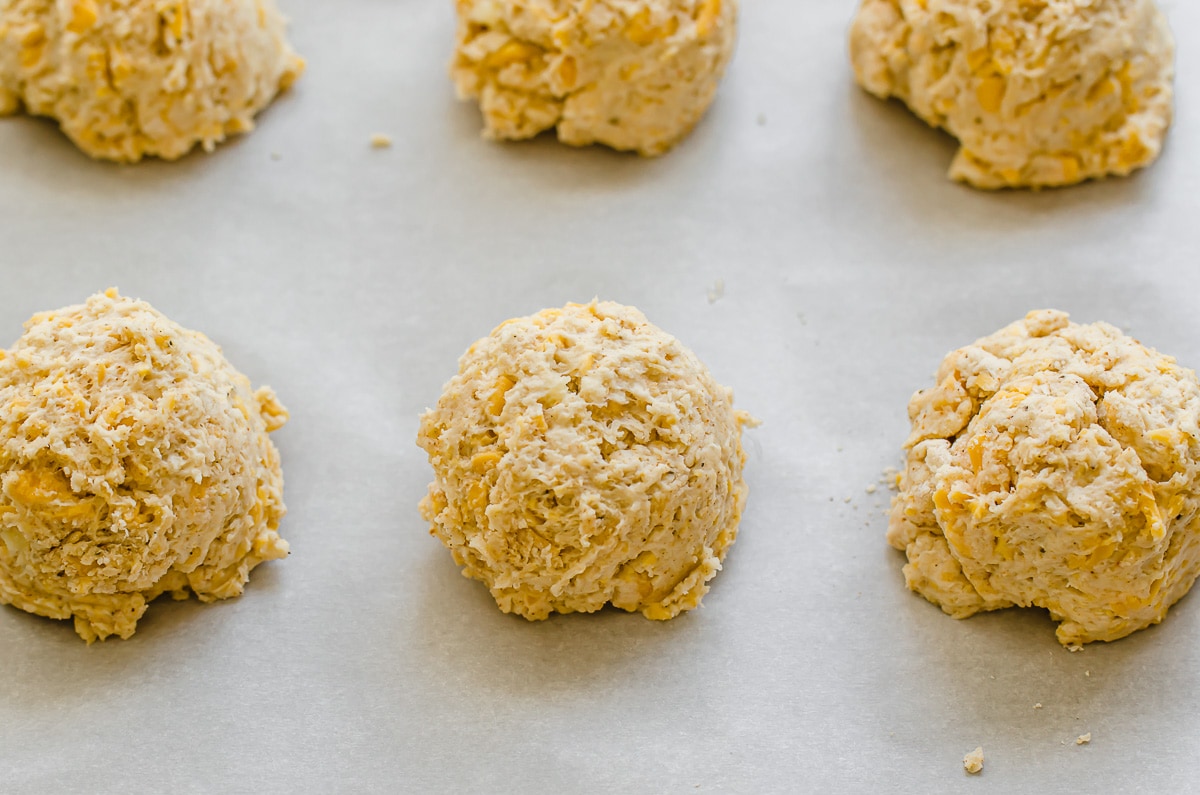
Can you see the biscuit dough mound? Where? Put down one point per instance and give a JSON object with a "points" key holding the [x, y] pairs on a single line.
{"points": [[631, 74], [131, 78], [1039, 93], [134, 461], [583, 457], [1054, 465]]}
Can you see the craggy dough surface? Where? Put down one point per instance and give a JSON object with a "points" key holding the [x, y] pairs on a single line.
{"points": [[1039, 93], [1054, 465], [134, 461], [130, 78], [584, 457], [632, 74]]}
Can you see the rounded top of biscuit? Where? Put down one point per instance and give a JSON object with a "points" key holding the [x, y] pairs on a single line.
{"points": [[584, 456], [129, 445]]}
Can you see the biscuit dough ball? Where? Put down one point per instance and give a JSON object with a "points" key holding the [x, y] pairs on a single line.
{"points": [[1039, 93], [1054, 465], [631, 74], [131, 78], [582, 457], [134, 461]]}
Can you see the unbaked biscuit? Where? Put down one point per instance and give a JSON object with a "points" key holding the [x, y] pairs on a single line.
{"points": [[126, 79], [134, 461], [631, 74], [584, 457], [1038, 94], [1054, 465]]}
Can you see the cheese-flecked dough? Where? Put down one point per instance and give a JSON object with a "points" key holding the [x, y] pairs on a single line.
{"points": [[134, 461], [583, 457], [1054, 465], [631, 74], [128, 79], [1039, 93]]}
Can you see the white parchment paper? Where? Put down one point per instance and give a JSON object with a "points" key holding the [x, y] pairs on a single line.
{"points": [[351, 278]]}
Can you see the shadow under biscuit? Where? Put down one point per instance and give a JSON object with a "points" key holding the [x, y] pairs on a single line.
{"points": [[906, 163], [1002, 679], [460, 632]]}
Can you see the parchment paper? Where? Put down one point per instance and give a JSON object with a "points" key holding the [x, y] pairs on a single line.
{"points": [[843, 264]]}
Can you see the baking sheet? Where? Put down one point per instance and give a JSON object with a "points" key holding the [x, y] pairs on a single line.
{"points": [[350, 279]]}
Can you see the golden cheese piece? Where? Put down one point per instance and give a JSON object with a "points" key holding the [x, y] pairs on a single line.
{"points": [[134, 461], [583, 457], [1054, 465], [631, 74], [128, 79], [1039, 93]]}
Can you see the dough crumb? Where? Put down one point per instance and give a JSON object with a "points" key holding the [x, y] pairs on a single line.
{"points": [[138, 78], [632, 76], [1038, 94], [584, 457], [381, 140], [973, 762], [134, 461], [1083, 739], [871, 488], [717, 291], [1056, 465], [1037, 705]]}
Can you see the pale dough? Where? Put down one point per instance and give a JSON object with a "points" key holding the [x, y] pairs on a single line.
{"points": [[973, 761], [631, 74], [132, 78], [1038, 92], [134, 461], [583, 457], [1054, 465]]}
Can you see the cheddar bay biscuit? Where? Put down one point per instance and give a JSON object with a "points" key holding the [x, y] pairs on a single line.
{"points": [[127, 79], [1038, 94], [1054, 465], [583, 457], [134, 461], [631, 74]]}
